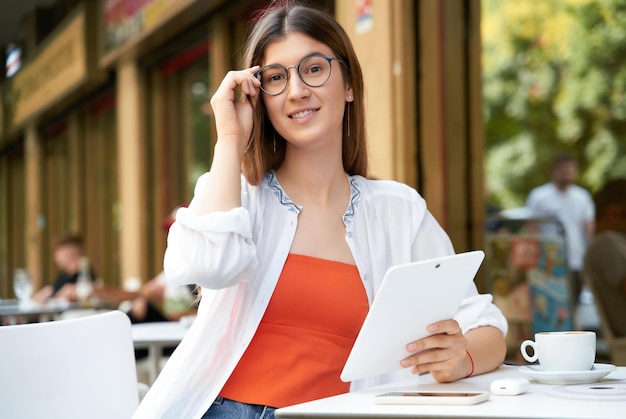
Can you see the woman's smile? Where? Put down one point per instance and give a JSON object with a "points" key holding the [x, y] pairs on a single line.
{"points": [[302, 114]]}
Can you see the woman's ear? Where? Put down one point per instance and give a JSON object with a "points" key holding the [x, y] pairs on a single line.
{"points": [[349, 96]]}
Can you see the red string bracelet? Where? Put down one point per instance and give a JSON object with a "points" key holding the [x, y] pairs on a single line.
{"points": [[472, 362]]}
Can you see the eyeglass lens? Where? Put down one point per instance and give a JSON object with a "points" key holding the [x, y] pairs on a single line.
{"points": [[313, 70]]}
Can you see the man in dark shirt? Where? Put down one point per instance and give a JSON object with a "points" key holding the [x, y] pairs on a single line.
{"points": [[68, 251]]}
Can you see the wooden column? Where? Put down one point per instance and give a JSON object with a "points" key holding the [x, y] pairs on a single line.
{"points": [[455, 120], [130, 139], [431, 98], [387, 60], [476, 130], [77, 138], [451, 130], [35, 221]]}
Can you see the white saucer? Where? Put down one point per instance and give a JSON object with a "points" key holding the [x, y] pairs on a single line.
{"points": [[536, 373], [607, 390]]}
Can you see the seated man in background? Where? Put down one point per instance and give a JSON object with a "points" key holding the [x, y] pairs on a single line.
{"points": [[605, 259], [154, 301], [158, 302], [67, 254]]}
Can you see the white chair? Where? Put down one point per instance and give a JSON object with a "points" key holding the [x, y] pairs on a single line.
{"points": [[77, 368], [617, 345]]}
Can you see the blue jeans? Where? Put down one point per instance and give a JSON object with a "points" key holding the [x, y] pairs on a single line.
{"points": [[228, 409]]}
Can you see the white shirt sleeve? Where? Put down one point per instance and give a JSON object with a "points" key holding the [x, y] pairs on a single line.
{"points": [[215, 250]]}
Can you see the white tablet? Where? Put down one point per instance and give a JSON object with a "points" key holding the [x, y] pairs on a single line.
{"points": [[411, 297]]}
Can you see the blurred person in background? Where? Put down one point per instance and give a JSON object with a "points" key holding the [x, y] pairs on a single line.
{"points": [[605, 260], [158, 300], [570, 204], [67, 253]]}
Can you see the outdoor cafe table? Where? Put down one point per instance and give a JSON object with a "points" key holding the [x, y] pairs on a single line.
{"points": [[605, 399], [154, 336], [12, 312]]}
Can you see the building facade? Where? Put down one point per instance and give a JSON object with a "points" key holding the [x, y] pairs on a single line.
{"points": [[104, 129]]}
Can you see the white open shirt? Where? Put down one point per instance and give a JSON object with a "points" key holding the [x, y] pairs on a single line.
{"points": [[237, 257]]}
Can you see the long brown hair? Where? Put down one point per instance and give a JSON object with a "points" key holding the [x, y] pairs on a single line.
{"points": [[276, 22]]}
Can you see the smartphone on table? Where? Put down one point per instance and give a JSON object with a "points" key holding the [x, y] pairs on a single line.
{"points": [[432, 397]]}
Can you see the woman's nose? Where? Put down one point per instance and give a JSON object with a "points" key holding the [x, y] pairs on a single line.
{"points": [[296, 88]]}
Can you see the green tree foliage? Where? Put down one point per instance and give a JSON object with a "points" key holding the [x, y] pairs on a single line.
{"points": [[554, 80]]}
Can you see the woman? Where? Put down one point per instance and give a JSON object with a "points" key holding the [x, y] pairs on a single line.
{"points": [[291, 254]]}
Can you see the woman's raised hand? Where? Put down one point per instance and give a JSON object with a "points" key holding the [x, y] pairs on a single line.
{"points": [[232, 106]]}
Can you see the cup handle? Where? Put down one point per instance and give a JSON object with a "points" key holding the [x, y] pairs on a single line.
{"points": [[525, 345]]}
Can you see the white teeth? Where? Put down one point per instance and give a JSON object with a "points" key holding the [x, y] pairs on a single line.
{"points": [[301, 114]]}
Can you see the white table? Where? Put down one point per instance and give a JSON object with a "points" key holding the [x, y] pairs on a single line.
{"points": [[541, 401], [154, 337]]}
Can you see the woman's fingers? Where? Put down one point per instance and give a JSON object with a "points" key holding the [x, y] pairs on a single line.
{"points": [[233, 102], [233, 82], [441, 353], [246, 80], [438, 332], [251, 84]]}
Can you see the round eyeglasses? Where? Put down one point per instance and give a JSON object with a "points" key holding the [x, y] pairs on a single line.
{"points": [[313, 70]]}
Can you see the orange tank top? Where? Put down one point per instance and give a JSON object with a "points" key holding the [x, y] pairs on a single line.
{"points": [[304, 337]]}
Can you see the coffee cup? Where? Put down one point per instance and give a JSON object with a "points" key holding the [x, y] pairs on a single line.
{"points": [[562, 351]]}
